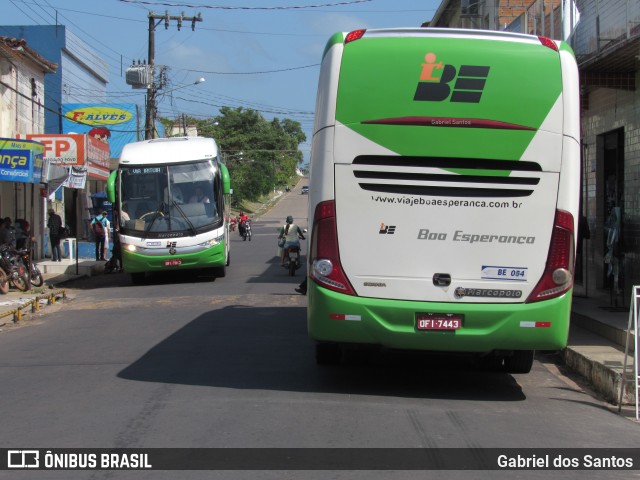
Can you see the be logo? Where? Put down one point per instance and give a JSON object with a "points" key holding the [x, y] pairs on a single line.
{"points": [[468, 86]]}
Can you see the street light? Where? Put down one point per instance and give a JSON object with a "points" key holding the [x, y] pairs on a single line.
{"points": [[152, 104]]}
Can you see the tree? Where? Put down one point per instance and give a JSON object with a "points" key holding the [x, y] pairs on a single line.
{"points": [[269, 149]]}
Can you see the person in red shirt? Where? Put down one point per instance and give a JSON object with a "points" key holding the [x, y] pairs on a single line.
{"points": [[242, 221]]}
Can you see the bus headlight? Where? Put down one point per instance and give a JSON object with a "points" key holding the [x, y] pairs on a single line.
{"points": [[129, 247], [212, 242]]}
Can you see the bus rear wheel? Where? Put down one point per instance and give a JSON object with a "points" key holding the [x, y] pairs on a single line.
{"points": [[520, 362]]}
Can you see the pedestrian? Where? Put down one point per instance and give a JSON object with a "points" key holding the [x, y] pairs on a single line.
{"points": [[99, 225], [116, 255], [55, 234], [302, 288], [107, 235], [7, 233], [22, 233]]}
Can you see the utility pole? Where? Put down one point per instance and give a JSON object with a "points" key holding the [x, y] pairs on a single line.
{"points": [[154, 21]]}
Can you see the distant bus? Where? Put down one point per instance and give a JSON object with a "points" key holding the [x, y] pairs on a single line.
{"points": [[171, 200], [444, 192]]}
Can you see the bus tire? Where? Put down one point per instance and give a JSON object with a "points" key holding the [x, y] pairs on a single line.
{"points": [[228, 259], [328, 353], [520, 362], [220, 272], [137, 278]]}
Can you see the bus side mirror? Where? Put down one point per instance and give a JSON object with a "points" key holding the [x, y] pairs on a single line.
{"points": [[111, 186], [226, 179]]}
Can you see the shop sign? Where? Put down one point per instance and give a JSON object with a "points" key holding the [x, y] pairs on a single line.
{"points": [[20, 160]]}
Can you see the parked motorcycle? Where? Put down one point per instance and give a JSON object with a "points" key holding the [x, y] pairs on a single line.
{"points": [[37, 280], [14, 269], [4, 282], [292, 259]]}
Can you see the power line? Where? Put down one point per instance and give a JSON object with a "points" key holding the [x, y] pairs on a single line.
{"points": [[227, 7], [255, 73]]}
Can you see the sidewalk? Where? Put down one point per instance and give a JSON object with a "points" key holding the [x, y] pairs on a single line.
{"points": [[595, 351], [15, 304]]}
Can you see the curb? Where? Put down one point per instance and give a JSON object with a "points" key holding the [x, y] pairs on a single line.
{"points": [[34, 303], [603, 378]]}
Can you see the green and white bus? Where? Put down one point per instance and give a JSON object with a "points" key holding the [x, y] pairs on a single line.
{"points": [[171, 201], [444, 194]]}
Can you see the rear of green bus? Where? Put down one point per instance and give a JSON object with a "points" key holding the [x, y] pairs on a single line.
{"points": [[444, 193]]}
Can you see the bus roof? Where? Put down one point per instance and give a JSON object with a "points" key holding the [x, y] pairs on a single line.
{"points": [[406, 88], [168, 150], [471, 34]]}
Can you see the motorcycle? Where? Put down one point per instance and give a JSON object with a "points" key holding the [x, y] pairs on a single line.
{"points": [[13, 269], [292, 259], [37, 280], [246, 231]]}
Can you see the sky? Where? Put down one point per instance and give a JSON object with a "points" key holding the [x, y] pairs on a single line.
{"points": [[258, 54]]}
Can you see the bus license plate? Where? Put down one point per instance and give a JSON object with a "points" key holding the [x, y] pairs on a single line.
{"points": [[438, 321], [174, 262]]}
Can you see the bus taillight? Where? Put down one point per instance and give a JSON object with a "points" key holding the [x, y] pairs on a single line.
{"points": [[326, 269], [547, 42], [558, 273], [355, 35]]}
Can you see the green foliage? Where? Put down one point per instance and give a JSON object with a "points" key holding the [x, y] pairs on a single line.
{"points": [[261, 155]]}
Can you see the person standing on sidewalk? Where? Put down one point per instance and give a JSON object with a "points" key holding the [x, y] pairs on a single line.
{"points": [[55, 233], [107, 235], [7, 233], [99, 226]]}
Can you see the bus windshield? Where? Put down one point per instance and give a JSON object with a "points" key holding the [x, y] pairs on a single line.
{"points": [[180, 199]]}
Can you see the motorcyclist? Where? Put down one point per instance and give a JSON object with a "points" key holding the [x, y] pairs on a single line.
{"points": [[242, 223], [292, 234]]}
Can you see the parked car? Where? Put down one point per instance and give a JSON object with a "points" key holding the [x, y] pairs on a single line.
{"points": [[304, 189]]}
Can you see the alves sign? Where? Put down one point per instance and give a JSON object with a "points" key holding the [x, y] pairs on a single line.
{"points": [[114, 123], [99, 115]]}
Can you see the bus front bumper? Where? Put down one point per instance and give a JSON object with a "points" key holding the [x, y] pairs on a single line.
{"points": [[134, 262]]}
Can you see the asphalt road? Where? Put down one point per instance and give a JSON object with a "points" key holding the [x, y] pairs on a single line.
{"points": [[196, 362]]}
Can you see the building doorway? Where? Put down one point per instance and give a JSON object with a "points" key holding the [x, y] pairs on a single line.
{"points": [[610, 215]]}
